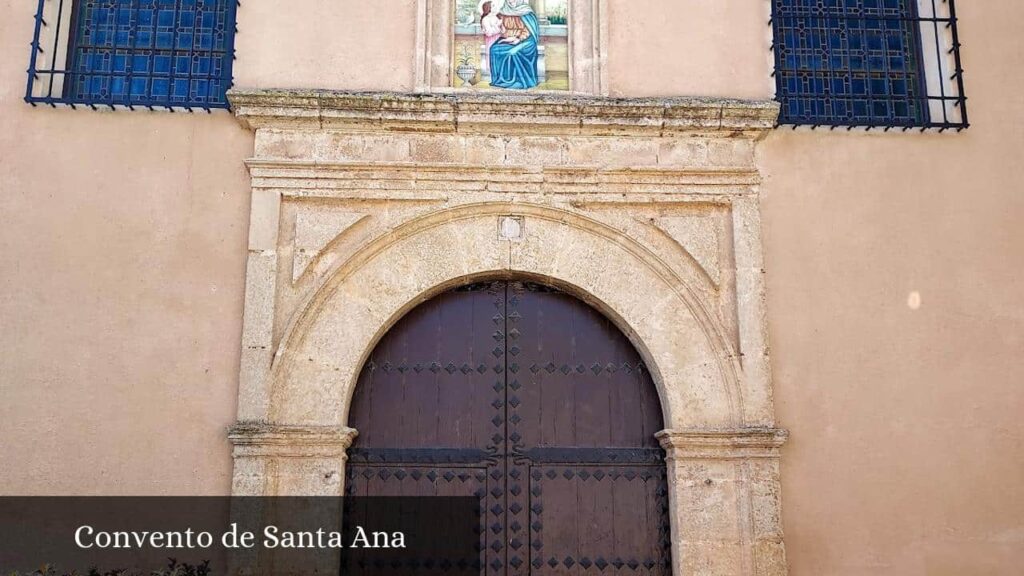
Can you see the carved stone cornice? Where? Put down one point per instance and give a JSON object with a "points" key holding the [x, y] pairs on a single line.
{"points": [[397, 180], [501, 113], [722, 444], [260, 439]]}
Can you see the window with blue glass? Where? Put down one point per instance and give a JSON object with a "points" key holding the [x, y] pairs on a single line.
{"points": [[153, 53], [868, 63]]}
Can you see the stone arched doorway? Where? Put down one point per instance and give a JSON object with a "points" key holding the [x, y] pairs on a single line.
{"points": [[527, 398], [366, 205]]}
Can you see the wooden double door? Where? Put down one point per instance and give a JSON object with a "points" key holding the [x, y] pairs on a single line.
{"points": [[532, 401]]}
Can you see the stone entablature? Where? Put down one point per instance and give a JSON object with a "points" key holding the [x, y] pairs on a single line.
{"points": [[502, 113], [365, 204]]}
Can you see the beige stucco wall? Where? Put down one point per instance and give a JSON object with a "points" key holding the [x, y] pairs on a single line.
{"points": [[345, 45], [907, 437], [123, 245], [122, 262], [691, 47]]}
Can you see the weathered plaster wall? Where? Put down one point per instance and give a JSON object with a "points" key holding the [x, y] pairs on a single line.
{"points": [[691, 47], [907, 443], [122, 268], [336, 44]]}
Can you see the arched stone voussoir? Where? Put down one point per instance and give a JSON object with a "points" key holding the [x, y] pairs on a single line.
{"points": [[321, 355]]}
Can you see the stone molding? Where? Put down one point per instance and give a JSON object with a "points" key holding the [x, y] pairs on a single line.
{"points": [[501, 113], [253, 439], [405, 177], [723, 444]]}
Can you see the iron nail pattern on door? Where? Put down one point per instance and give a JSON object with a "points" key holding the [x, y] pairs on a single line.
{"points": [[527, 398]]}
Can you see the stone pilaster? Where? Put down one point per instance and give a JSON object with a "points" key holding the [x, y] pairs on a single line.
{"points": [[282, 460], [724, 490]]}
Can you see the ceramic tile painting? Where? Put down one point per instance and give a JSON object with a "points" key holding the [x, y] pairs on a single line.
{"points": [[511, 44]]}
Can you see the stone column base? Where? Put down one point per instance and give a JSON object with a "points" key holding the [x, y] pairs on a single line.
{"points": [[282, 460], [724, 495]]}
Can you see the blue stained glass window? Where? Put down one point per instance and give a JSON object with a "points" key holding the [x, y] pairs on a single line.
{"points": [[174, 53], [849, 62]]}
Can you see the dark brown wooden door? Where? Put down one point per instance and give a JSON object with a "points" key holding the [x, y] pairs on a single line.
{"points": [[534, 402]]}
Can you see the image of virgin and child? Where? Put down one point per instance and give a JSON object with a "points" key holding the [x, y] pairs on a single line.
{"points": [[511, 38]]}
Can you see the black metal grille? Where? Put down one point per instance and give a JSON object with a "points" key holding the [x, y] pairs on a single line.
{"points": [[868, 63], [150, 53]]}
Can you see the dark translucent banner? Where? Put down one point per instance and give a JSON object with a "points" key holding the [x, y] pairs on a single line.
{"points": [[212, 536]]}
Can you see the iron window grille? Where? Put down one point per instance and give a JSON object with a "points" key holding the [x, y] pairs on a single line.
{"points": [[868, 63], [147, 53]]}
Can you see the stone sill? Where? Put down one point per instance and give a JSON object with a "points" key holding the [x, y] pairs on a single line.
{"points": [[501, 113]]}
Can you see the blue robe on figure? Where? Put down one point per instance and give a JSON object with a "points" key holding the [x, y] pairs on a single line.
{"points": [[515, 65]]}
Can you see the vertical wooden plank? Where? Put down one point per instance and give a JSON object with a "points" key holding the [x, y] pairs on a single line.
{"points": [[384, 396], [651, 407], [591, 392], [556, 332], [594, 517], [559, 530]]}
